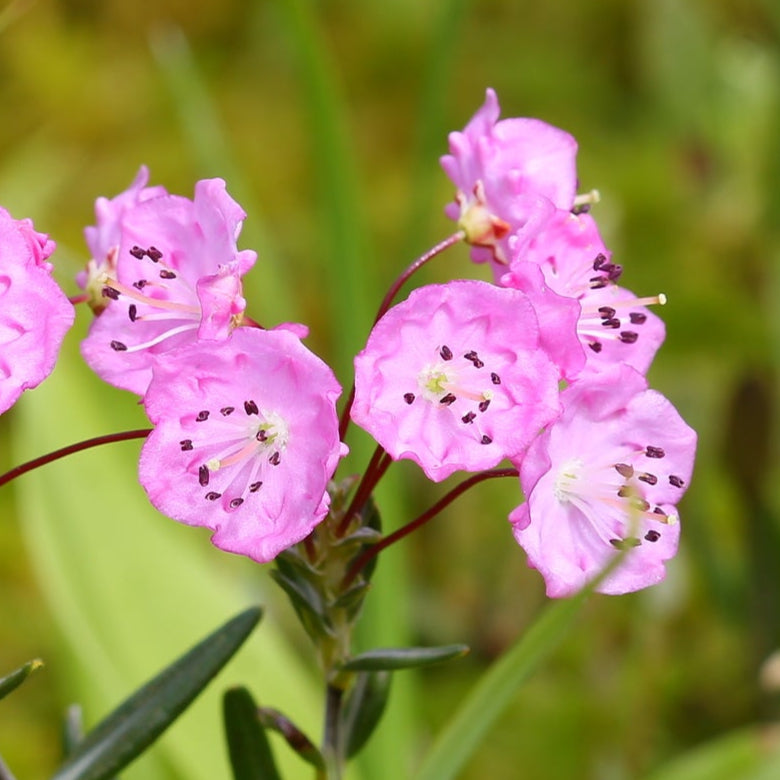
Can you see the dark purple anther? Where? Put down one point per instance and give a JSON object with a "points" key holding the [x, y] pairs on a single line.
{"points": [[212, 496], [250, 407], [202, 415], [448, 399], [137, 252], [118, 346], [652, 535], [275, 459], [446, 353], [154, 253], [625, 470], [165, 274], [650, 479], [469, 417], [186, 445], [675, 481], [495, 379], [409, 398], [637, 318], [255, 486], [226, 410], [203, 475], [236, 502], [606, 312], [483, 405], [486, 440], [132, 312], [595, 346], [654, 452], [110, 292], [599, 261], [140, 284], [628, 336]]}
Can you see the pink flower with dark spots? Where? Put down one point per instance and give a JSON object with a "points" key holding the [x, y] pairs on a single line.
{"points": [[606, 477], [614, 325], [510, 176], [103, 239], [178, 278], [35, 314], [245, 439], [454, 378]]}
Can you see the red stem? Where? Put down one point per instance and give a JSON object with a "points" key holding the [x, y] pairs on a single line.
{"points": [[387, 302], [377, 466], [69, 450], [429, 514]]}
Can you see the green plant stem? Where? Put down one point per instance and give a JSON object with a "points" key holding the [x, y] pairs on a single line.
{"points": [[69, 450], [331, 741]]}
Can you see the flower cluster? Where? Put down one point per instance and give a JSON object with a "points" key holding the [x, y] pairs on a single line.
{"points": [[245, 434], [543, 366], [463, 375]]}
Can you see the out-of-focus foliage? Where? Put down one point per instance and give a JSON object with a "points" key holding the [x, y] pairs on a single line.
{"points": [[676, 105]]}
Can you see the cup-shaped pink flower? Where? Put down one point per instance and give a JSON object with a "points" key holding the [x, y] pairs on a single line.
{"points": [[178, 278], [104, 237], [606, 477], [35, 314], [454, 378], [614, 325], [245, 439], [509, 175]]}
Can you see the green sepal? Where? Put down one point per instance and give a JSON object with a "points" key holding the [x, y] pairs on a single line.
{"points": [[307, 602], [392, 658], [18, 676], [139, 720], [293, 736], [363, 709], [352, 599], [250, 754]]}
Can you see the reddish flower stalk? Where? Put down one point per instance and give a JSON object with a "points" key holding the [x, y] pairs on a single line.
{"points": [[429, 514], [377, 466], [69, 450], [387, 302]]}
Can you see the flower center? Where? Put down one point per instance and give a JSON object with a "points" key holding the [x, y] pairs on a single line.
{"points": [[242, 450]]}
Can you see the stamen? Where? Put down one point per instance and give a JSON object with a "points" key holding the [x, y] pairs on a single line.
{"points": [[166, 274], [132, 312], [628, 336], [469, 417], [236, 502], [676, 481], [186, 445], [250, 407], [409, 398], [118, 346], [446, 353], [596, 346], [110, 292], [154, 253], [654, 452], [486, 440], [483, 406], [637, 318], [255, 486], [203, 476], [625, 470], [650, 479], [275, 459], [137, 252], [201, 416], [448, 399], [495, 379], [652, 535], [212, 496], [227, 410]]}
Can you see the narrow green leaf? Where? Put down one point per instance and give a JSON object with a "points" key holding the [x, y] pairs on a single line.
{"points": [[737, 754], [363, 709], [140, 719], [391, 658], [307, 604], [250, 754], [18, 676], [295, 738], [495, 690], [72, 729]]}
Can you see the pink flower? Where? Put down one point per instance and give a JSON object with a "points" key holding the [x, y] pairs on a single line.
{"points": [[454, 378], [245, 439], [34, 312], [606, 476], [177, 278], [614, 325], [104, 238], [509, 175]]}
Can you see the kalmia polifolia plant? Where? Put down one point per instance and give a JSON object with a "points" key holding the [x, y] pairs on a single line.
{"points": [[541, 370]]}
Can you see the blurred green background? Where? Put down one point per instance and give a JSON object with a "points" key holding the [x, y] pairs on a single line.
{"points": [[327, 119]]}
